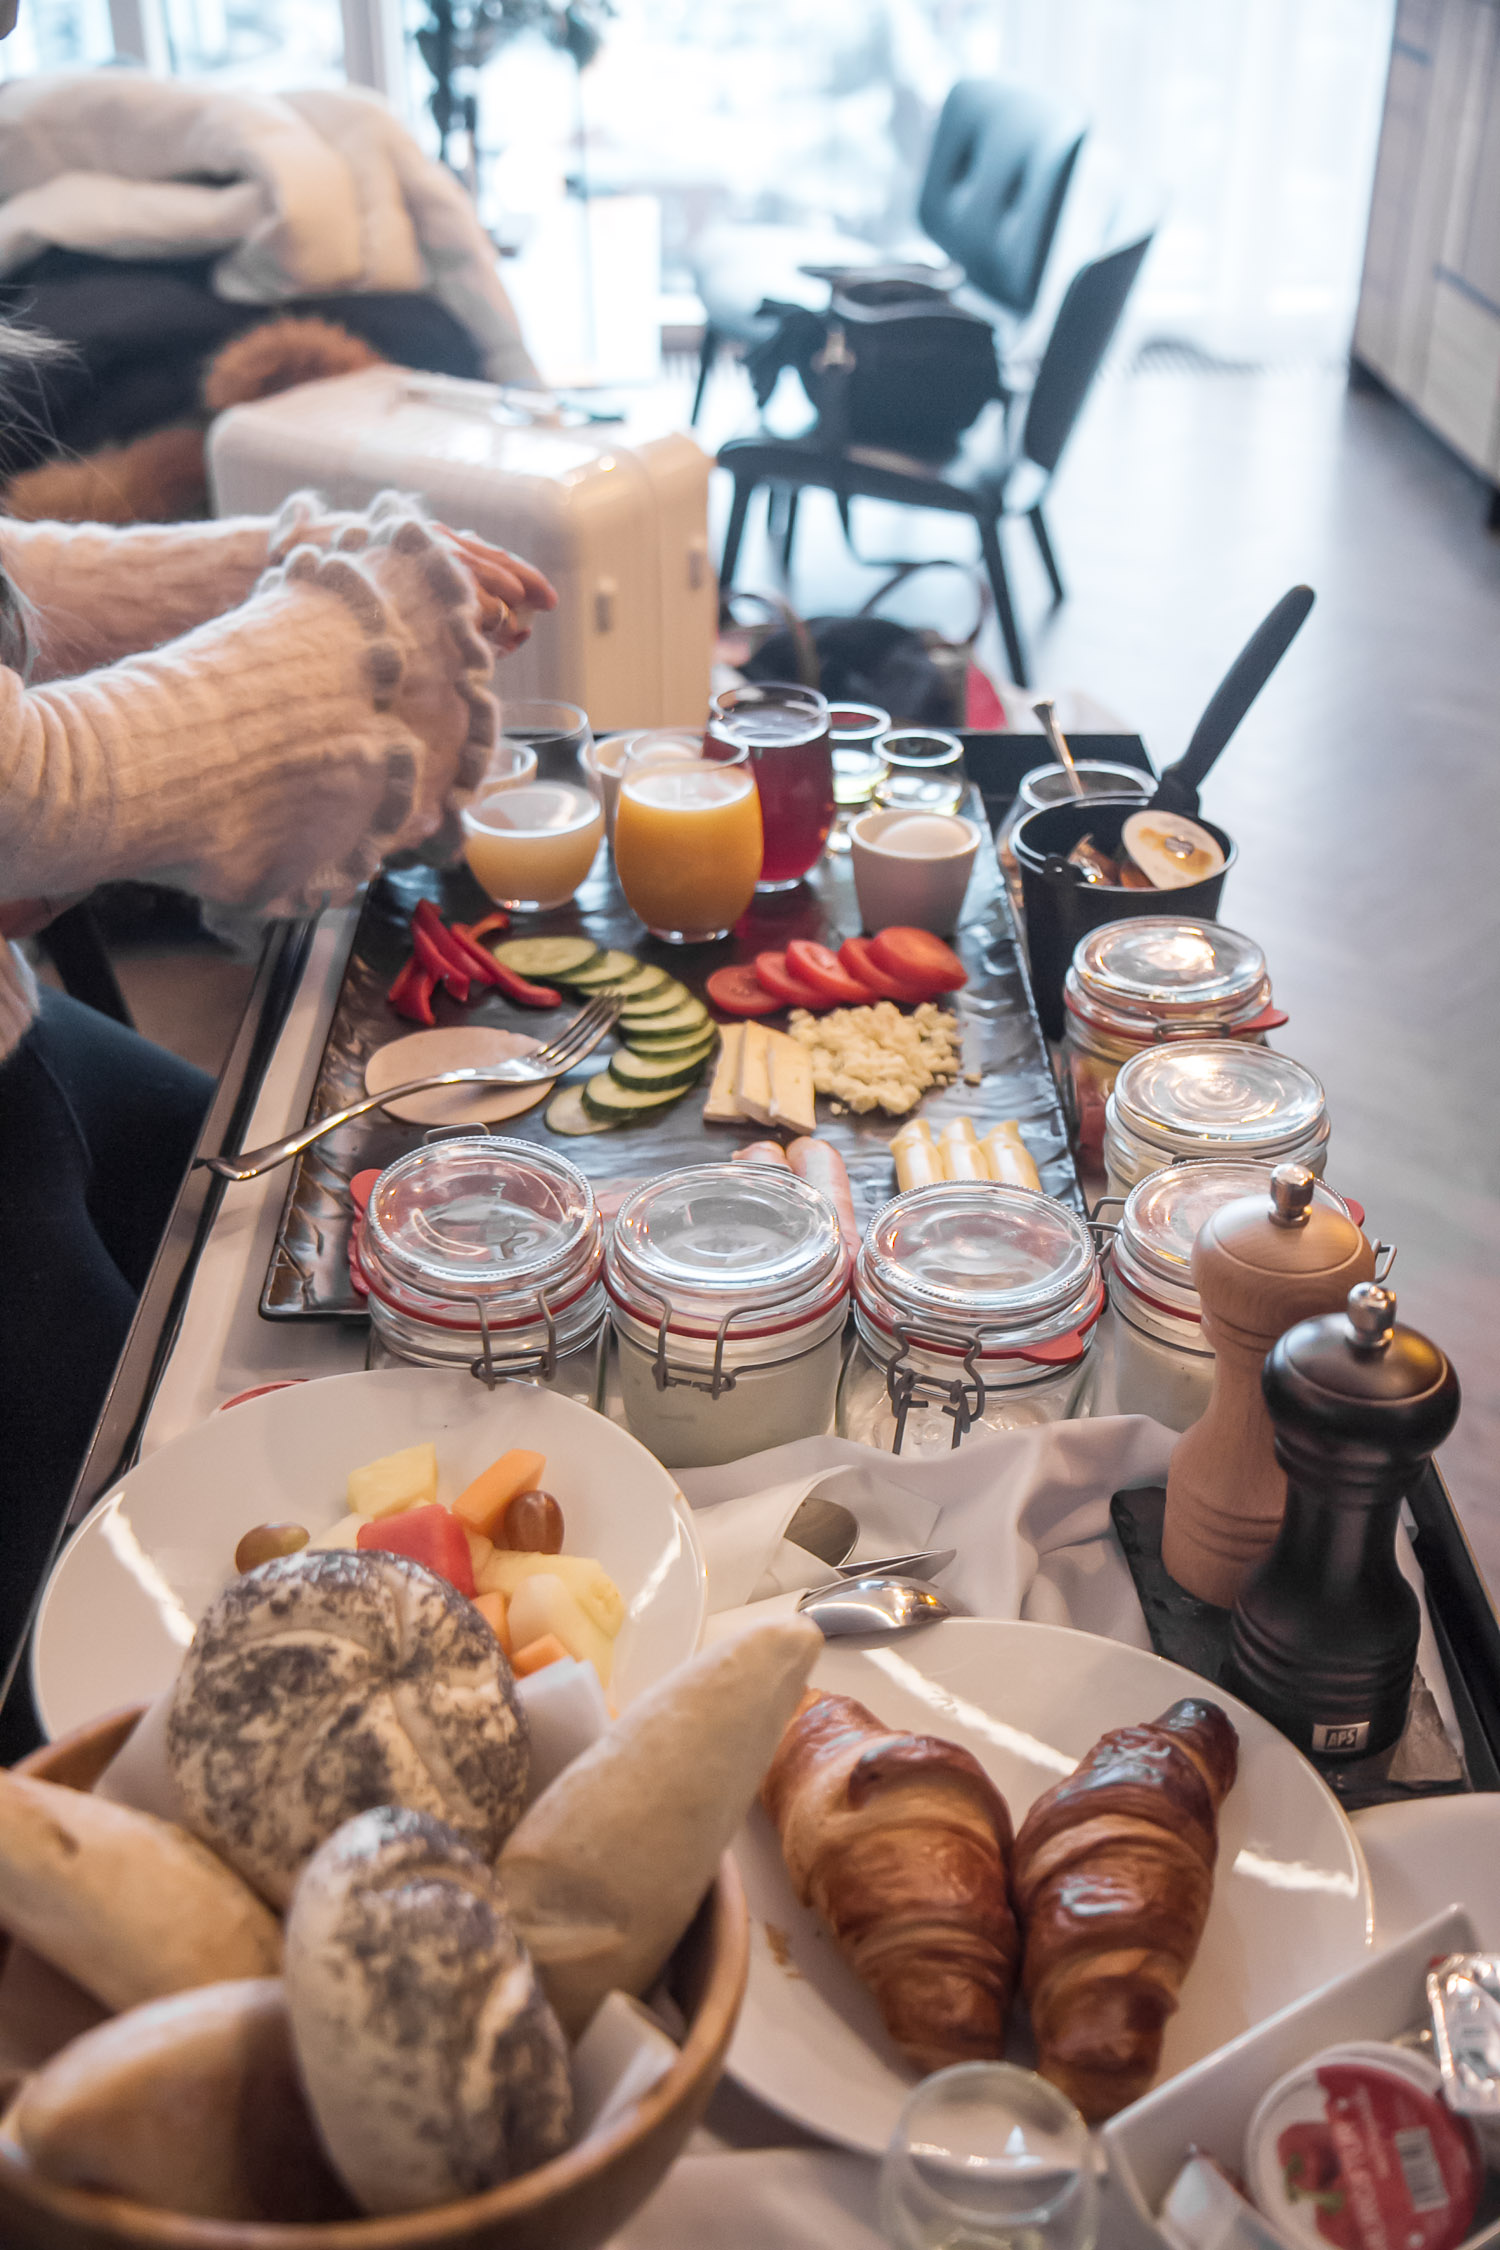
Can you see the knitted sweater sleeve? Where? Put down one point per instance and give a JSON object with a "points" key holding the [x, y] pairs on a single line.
{"points": [[269, 758], [97, 593]]}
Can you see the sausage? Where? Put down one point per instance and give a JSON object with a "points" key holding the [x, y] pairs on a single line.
{"points": [[820, 1164], [761, 1152]]}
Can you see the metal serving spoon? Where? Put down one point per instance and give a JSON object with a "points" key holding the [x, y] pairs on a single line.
{"points": [[872, 1605]]}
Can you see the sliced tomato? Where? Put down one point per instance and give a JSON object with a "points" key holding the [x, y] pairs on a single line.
{"points": [[738, 991], [860, 962], [789, 990], [917, 957], [825, 972]]}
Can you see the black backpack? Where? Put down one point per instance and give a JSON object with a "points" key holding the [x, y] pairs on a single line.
{"points": [[893, 363]]}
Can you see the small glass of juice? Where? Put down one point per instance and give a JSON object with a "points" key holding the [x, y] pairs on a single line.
{"points": [[688, 842], [785, 730], [531, 843]]}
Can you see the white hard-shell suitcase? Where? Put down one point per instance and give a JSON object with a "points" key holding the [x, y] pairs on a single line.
{"points": [[615, 513]]}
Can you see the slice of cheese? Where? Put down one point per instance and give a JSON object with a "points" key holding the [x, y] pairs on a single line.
{"points": [[1008, 1157], [753, 1083], [963, 1158], [721, 1107], [792, 1100]]}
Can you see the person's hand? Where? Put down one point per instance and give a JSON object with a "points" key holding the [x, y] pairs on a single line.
{"points": [[506, 586], [23, 917]]}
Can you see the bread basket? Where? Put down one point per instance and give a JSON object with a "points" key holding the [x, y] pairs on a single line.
{"points": [[574, 2203]]}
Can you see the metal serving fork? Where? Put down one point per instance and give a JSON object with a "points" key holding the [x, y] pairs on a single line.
{"points": [[573, 1042]]}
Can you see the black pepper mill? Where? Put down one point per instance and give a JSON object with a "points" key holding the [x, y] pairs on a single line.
{"points": [[1323, 1640]]}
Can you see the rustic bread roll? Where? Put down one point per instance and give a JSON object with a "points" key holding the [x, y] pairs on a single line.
{"points": [[434, 2066], [126, 1905], [191, 2104], [328, 1682], [606, 1870]]}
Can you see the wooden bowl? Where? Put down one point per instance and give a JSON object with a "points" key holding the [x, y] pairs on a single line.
{"points": [[574, 2203]]}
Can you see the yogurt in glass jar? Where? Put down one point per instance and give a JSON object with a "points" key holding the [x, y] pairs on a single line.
{"points": [[974, 1308], [728, 1289], [1216, 1100]]}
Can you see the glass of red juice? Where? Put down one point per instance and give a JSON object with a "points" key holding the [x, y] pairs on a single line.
{"points": [[785, 729]]}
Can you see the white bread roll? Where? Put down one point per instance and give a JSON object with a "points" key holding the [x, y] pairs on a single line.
{"points": [[191, 2104], [328, 1682], [607, 1869], [126, 1905], [434, 2066]]}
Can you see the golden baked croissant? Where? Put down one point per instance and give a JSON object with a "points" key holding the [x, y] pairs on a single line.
{"points": [[1113, 1874], [900, 1841]]}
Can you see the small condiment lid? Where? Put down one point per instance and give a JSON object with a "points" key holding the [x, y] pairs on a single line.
{"points": [[960, 1259], [1135, 976], [1165, 1212], [747, 1238], [482, 1216], [1361, 2130], [1200, 1097], [1359, 1371]]}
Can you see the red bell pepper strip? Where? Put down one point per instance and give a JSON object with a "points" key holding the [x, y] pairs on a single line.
{"points": [[528, 995], [438, 962], [477, 960], [482, 929], [411, 994], [428, 1535]]}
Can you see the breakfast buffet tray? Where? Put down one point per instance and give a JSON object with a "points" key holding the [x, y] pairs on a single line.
{"points": [[1005, 1068]]}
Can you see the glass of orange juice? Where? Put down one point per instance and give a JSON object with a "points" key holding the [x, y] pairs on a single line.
{"points": [[688, 842], [531, 843]]}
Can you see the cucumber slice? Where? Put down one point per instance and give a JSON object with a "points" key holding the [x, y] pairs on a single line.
{"points": [[701, 1041], [687, 1015], [565, 1113], [613, 1104], [631, 1068], [642, 982], [658, 1003], [548, 957], [608, 969]]}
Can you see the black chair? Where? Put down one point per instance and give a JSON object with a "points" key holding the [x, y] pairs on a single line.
{"points": [[998, 471], [998, 173]]}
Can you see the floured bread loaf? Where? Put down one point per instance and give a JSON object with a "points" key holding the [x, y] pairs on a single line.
{"points": [[328, 1682], [433, 2063], [126, 1905], [191, 2104], [606, 1870]]}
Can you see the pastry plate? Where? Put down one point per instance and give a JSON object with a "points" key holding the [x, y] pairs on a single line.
{"points": [[1291, 1905], [144, 1564]]}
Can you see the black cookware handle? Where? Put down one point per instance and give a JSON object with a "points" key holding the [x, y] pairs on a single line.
{"points": [[1241, 684]]}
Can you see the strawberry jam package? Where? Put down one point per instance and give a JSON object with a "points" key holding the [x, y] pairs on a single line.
{"points": [[1356, 2150]]}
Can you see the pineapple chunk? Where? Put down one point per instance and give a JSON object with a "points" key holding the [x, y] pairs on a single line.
{"points": [[587, 1581], [345, 1533], [396, 1481], [544, 1604]]}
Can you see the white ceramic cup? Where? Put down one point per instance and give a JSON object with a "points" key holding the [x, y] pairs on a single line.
{"points": [[912, 868]]}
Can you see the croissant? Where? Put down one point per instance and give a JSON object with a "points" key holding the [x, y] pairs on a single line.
{"points": [[1113, 1874], [900, 1841]]}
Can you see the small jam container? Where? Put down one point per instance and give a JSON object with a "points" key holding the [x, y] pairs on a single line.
{"points": [[1164, 1367], [974, 1307], [1360, 2134], [1156, 977], [1213, 1099], [488, 1254], [728, 1291]]}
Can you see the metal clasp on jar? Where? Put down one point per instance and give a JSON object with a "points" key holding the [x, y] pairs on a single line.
{"points": [[494, 1367], [666, 1374], [905, 1385]]}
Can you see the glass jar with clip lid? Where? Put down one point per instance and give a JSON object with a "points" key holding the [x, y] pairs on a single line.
{"points": [[728, 1288], [975, 1306], [1214, 1100], [486, 1253], [1152, 978]]}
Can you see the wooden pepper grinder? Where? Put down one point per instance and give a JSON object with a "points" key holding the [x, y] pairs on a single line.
{"points": [[1260, 1265], [1324, 1636]]}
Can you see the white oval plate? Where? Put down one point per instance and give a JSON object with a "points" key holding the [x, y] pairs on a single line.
{"points": [[1291, 1905], [1430, 1853], [145, 1563]]}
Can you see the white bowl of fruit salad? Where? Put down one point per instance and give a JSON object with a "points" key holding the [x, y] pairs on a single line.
{"points": [[609, 1572]]}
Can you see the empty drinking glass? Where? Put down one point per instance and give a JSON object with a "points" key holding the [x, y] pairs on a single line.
{"points": [[988, 2157], [558, 733], [855, 730], [922, 770]]}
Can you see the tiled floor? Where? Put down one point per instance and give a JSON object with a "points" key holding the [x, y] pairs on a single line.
{"points": [[1364, 788]]}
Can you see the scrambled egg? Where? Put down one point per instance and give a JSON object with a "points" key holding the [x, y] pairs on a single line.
{"points": [[877, 1058]]}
